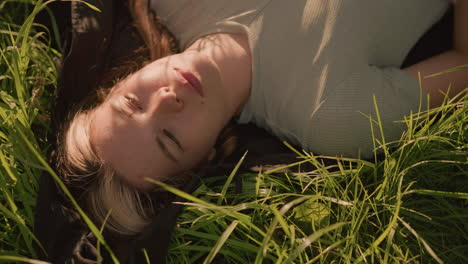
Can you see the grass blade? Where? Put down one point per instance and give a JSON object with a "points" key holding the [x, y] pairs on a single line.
{"points": [[220, 242]]}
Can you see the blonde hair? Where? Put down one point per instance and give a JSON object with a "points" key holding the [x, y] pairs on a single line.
{"points": [[106, 195], [108, 199], [111, 201]]}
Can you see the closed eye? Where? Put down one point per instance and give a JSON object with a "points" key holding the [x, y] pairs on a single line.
{"points": [[173, 138], [132, 102], [166, 152]]}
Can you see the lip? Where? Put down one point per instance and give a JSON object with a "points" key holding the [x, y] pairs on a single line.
{"points": [[192, 80]]}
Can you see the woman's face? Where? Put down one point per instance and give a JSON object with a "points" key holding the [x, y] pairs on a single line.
{"points": [[162, 120]]}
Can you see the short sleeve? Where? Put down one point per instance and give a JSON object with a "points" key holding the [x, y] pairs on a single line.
{"points": [[341, 125]]}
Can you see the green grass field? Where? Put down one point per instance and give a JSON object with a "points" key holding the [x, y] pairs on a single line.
{"points": [[411, 206]]}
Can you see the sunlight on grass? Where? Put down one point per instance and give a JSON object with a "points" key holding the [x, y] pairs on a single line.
{"points": [[377, 201], [27, 70]]}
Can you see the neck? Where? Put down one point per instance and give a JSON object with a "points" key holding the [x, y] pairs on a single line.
{"points": [[231, 53]]}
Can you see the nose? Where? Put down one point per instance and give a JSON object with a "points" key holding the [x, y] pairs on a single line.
{"points": [[166, 100]]}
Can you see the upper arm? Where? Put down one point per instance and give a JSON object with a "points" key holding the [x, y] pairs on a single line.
{"points": [[436, 87], [342, 123]]}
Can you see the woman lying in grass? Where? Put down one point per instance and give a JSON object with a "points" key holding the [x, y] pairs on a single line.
{"points": [[307, 71]]}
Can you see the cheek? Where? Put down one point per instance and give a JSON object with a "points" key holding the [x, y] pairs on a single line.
{"points": [[197, 160], [202, 135], [199, 149], [196, 121]]}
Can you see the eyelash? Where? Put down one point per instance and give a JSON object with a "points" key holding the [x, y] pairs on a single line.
{"points": [[133, 101]]}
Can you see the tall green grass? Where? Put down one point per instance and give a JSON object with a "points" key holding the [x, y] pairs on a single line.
{"points": [[27, 80], [409, 206]]}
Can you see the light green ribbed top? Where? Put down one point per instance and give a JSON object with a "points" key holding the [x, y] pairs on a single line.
{"points": [[317, 64]]}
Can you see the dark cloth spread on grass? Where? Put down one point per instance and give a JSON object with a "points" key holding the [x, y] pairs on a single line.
{"points": [[92, 41]]}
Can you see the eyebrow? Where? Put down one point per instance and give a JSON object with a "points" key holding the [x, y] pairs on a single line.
{"points": [[165, 150], [173, 138]]}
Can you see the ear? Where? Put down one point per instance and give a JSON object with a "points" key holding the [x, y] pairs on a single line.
{"points": [[228, 147]]}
